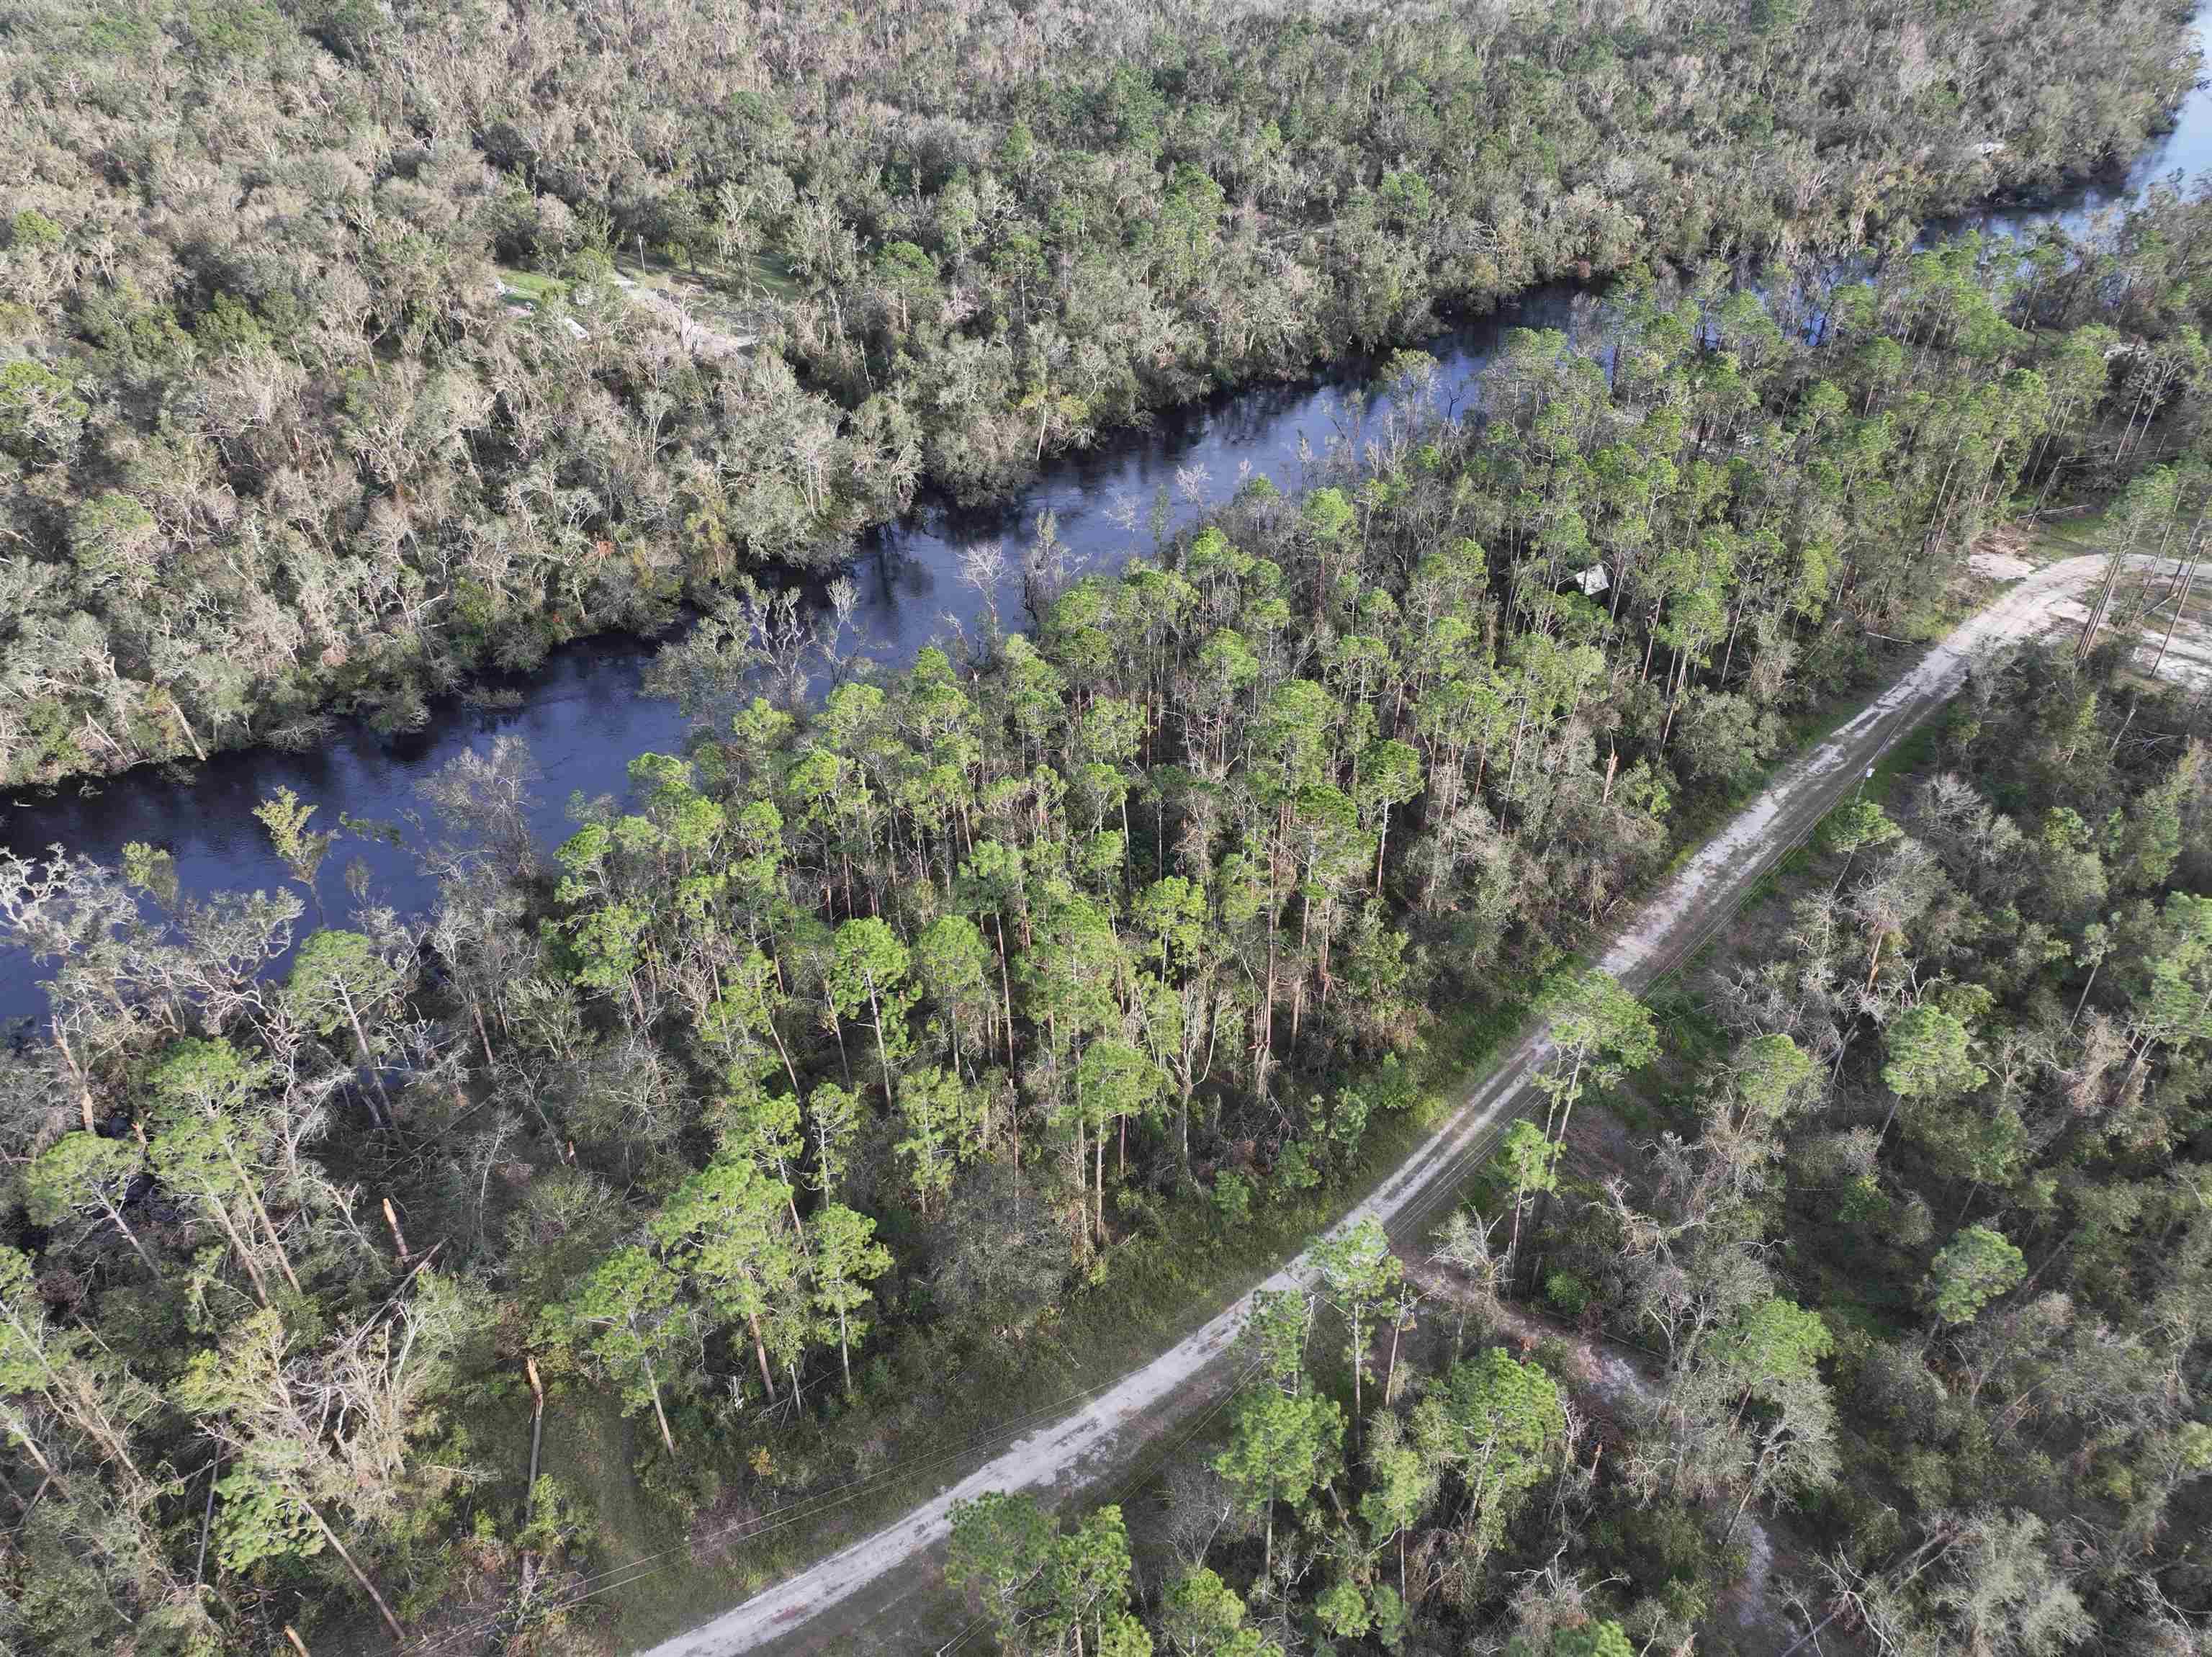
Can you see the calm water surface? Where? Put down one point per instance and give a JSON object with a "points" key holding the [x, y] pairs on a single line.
{"points": [[585, 715]]}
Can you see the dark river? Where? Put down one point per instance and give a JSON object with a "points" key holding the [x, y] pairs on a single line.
{"points": [[585, 715]]}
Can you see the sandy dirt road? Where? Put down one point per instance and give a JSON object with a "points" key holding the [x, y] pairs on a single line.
{"points": [[1673, 926]]}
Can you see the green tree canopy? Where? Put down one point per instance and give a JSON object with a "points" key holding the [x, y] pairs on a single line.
{"points": [[1972, 1269]]}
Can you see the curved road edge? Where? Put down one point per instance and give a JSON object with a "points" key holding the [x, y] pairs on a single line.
{"points": [[1671, 926]]}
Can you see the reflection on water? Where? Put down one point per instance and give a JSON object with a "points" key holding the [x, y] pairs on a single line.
{"points": [[584, 715]]}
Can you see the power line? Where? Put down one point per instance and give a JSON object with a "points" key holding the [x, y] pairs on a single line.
{"points": [[803, 1508], [1127, 1486], [652, 1564], [1437, 1190]]}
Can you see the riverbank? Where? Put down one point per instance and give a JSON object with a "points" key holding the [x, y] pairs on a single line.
{"points": [[388, 575], [916, 1448], [1184, 860]]}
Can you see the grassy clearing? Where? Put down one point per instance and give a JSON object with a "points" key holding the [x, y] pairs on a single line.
{"points": [[751, 279], [768, 273], [725, 290], [2068, 535], [535, 286]]}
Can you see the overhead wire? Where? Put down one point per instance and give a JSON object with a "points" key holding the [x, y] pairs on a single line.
{"points": [[807, 1507], [1438, 1191], [1126, 1486], [651, 1564]]}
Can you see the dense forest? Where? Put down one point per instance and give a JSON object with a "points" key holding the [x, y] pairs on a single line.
{"points": [[1918, 1253], [323, 388], [904, 1016]]}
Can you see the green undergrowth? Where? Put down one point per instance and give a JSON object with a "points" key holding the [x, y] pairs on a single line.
{"points": [[532, 285], [1803, 731], [910, 1434], [2068, 533], [1903, 762], [933, 1405], [753, 277]]}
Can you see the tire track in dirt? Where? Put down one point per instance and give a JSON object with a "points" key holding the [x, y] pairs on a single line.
{"points": [[1672, 926]]}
